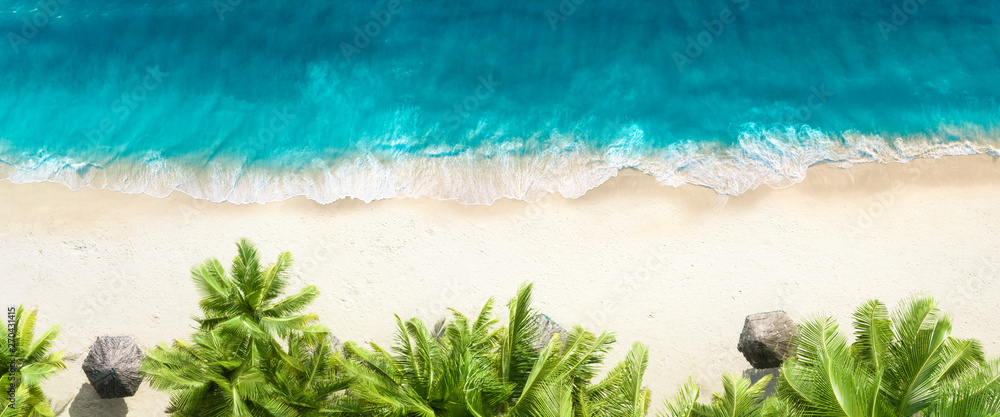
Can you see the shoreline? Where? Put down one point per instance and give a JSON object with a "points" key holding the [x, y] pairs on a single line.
{"points": [[676, 268], [483, 175]]}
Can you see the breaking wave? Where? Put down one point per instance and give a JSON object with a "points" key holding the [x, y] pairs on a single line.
{"points": [[252, 102], [513, 170]]}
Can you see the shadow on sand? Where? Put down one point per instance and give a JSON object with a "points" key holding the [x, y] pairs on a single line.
{"points": [[89, 404], [756, 375]]}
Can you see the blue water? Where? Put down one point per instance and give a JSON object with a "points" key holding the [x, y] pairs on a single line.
{"points": [[474, 101]]}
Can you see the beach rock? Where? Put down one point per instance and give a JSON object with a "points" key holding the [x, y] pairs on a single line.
{"points": [[546, 329], [112, 366], [766, 340], [336, 345]]}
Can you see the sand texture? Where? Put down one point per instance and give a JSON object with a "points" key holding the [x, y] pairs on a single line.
{"points": [[676, 268]]}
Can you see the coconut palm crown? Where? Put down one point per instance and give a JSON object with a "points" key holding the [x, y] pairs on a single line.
{"points": [[903, 363], [739, 398], [246, 301], [470, 368], [254, 353]]}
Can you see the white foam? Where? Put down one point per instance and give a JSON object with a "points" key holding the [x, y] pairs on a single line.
{"points": [[775, 158]]}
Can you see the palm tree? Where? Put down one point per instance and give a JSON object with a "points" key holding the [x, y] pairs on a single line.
{"points": [[473, 369], [452, 376], [567, 369], [216, 376], [739, 398], [901, 364], [620, 394], [33, 365], [975, 393], [253, 354], [221, 375], [318, 391], [517, 354], [245, 301]]}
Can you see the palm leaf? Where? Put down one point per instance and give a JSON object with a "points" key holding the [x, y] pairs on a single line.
{"points": [[274, 280], [739, 398], [535, 384], [295, 303], [873, 333], [974, 393], [823, 378], [35, 364], [516, 354], [959, 356], [921, 331], [682, 404], [24, 324], [553, 400]]}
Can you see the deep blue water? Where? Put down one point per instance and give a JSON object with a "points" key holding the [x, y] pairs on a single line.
{"points": [[479, 100]]}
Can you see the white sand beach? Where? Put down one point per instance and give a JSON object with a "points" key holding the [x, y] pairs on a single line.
{"points": [[676, 268]]}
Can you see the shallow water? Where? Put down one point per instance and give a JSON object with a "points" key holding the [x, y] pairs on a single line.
{"points": [[475, 101]]}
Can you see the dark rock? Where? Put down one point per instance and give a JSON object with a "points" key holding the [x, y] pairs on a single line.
{"points": [[766, 340], [112, 366]]}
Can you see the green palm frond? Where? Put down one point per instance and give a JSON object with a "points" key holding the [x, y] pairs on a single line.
{"points": [[377, 382], [535, 384], [485, 318], [215, 288], [921, 331], [581, 353], [483, 390], [957, 357], [418, 354], [29, 401], [34, 373], [253, 353], [293, 303], [246, 268], [873, 334], [244, 300], [517, 356], [683, 403], [773, 406], [274, 280], [872, 351], [903, 363], [553, 400], [474, 369], [973, 393], [24, 327], [34, 365], [377, 360], [621, 392], [739, 398], [823, 376], [217, 374], [632, 388], [283, 326]]}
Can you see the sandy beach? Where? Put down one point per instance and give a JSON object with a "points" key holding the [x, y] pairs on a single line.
{"points": [[675, 268]]}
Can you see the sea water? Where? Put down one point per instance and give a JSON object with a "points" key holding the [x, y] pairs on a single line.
{"points": [[244, 101]]}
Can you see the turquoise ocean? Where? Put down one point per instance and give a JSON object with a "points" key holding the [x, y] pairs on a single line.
{"points": [[245, 101]]}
